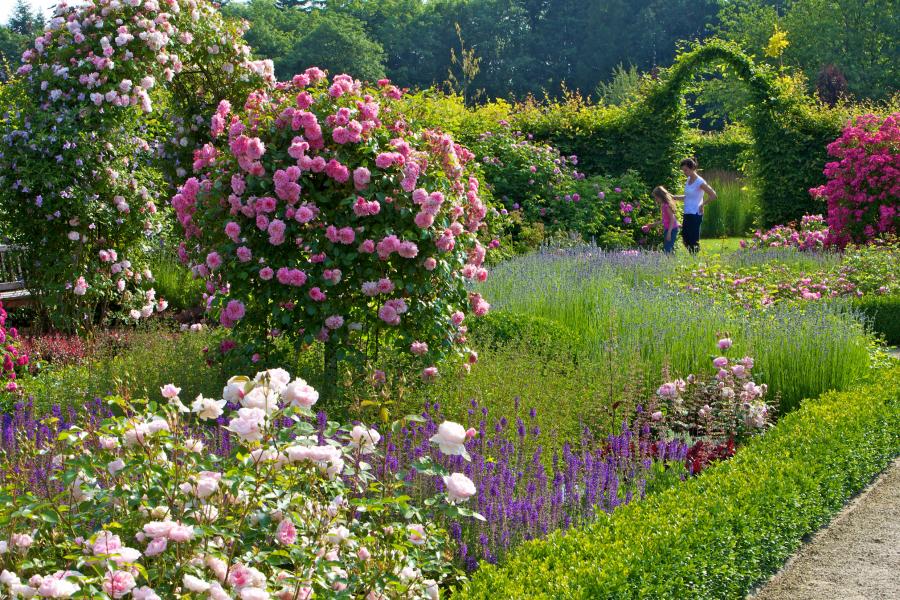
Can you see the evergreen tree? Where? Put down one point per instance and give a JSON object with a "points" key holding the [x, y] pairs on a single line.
{"points": [[25, 22]]}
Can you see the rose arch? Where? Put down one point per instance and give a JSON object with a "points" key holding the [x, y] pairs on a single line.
{"points": [[104, 112]]}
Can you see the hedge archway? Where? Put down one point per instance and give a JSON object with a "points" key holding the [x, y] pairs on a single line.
{"points": [[790, 135], [649, 134], [107, 109]]}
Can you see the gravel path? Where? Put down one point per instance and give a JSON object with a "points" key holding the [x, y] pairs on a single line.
{"points": [[856, 557]]}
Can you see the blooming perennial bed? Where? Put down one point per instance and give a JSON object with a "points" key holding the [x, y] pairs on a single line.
{"points": [[137, 506], [256, 481]]}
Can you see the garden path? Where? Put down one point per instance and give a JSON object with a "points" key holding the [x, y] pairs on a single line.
{"points": [[856, 557]]}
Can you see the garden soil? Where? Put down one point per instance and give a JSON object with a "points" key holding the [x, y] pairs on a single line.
{"points": [[856, 557]]}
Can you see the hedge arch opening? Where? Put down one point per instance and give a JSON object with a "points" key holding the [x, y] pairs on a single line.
{"points": [[790, 134]]}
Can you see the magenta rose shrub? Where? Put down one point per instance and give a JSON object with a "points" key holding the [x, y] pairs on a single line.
{"points": [[84, 148], [864, 181], [14, 358], [317, 215], [143, 510]]}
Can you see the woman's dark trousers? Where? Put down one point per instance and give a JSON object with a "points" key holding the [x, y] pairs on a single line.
{"points": [[690, 232]]}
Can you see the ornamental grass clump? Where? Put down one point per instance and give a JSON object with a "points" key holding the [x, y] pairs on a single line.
{"points": [[316, 215], [295, 510]]}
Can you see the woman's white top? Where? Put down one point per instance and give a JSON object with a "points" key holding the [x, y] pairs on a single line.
{"points": [[693, 196]]}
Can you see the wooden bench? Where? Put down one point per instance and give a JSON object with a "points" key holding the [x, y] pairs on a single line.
{"points": [[12, 285]]}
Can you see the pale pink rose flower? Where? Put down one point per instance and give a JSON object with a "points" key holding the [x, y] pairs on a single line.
{"points": [[144, 593], [195, 584], [416, 534], [299, 393], [118, 583], [286, 533], [156, 546], [459, 487], [450, 438]]}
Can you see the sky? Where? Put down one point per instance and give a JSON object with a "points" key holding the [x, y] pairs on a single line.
{"points": [[6, 7]]}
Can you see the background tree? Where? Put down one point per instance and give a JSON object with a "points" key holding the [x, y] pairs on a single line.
{"points": [[24, 21], [339, 44]]}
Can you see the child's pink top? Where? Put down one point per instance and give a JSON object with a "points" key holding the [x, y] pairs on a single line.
{"points": [[668, 218]]}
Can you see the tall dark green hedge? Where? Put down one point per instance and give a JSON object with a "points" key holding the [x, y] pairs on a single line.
{"points": [[721, 533], [650, 135]]}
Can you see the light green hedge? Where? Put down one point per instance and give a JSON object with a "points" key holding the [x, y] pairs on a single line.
{"points": [[726, 150], [718, 535]]}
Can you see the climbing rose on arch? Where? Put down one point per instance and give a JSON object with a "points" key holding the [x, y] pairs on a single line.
{"points": [[83, 163], [328, 219]]}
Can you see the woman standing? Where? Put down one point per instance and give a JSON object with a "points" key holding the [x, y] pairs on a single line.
{"points": [[695, 190]]}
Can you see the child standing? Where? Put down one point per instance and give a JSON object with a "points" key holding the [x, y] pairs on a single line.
{"points": [[669, 220]]}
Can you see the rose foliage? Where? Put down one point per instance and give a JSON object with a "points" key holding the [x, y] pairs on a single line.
{"points": [[295, 511], [317, 215], [83, 155]]}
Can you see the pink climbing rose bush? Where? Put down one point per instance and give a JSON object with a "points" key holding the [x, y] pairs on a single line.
{"points": [[317, 214], [13, 357], [864, 181], [83, 159], [144, 510]]}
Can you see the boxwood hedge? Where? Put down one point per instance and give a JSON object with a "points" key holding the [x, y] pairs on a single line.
{"points": [[884, 315], [718, 535]]}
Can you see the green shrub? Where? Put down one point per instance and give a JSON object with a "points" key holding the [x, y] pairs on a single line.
{"points": [[884, 315], [726, 150], [650, 134], [503, 328], [175, 282], [718, 535]]}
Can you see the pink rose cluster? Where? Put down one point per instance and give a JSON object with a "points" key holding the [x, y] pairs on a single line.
{"points": [[177, 543], [812, 234], [864, 181], [729, 395], [120, 50], [318, 197]]}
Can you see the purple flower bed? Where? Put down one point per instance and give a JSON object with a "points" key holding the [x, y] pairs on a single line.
{"points": [[525, 489], [522, 492]]}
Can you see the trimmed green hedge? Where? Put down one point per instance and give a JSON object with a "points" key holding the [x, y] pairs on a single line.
{"points": [[884, 313], [718, 535], [727, 150], [650, 134]]}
